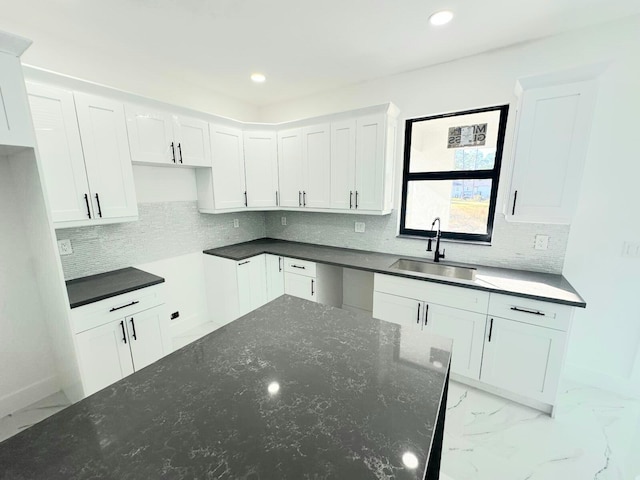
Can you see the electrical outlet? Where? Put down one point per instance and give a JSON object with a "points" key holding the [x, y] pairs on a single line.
{"points": [[631, 249], [236, 223], [283, 220], [541, 242], [175, 315], [359, 227], [64, 247]]}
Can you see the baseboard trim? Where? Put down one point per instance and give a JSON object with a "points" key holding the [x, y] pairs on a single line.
{"points": [[625, 387], [19, 399]]}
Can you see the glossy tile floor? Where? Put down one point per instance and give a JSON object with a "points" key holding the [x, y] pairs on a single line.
{"points": [[595, 435]]}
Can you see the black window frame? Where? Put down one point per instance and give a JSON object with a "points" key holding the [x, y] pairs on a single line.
{"points": [[493, 174]]}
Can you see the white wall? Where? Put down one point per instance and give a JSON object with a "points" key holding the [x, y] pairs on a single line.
{"points": [[606, 336]]}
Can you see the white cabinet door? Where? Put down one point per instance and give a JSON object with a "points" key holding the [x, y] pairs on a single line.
{"points": [[403, 311], [252, 284], [150, 135], [343, 164], [275, 276], [370, 162], [227, 161], [551, 142], [103, 131], [103, 355], [316, 162], [301, 286], [15, 123], [466, 329], [146, 336], [290, 167], [522, 358], [59, 147], [261, 166], [193, 144]]}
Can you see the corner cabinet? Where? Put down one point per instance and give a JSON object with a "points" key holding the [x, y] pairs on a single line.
{"points": [[552, 136], [83, 145]]}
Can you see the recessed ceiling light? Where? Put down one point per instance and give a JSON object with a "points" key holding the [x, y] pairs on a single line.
{"points": [[258, 77], [441, 18]]}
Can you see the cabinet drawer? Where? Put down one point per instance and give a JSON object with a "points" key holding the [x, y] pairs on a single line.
{"points": [[104, 311], [301, 286], [534, 312], [430, 292], [300, 267]]}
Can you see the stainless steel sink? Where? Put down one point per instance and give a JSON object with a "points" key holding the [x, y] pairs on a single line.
{"points": [[438, 269]]}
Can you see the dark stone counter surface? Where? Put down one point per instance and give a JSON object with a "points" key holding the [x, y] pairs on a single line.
{"points": [[94, 288], [293, 390], [538, 286]]}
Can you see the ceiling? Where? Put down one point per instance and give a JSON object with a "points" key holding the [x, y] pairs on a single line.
{"points": [[302, 46]]}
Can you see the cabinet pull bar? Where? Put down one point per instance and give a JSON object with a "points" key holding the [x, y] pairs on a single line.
{"points": [[86, 200], [312, 292], [304, 198], [124, 306], [244, 263], [490, 329], [173, 152], [277, 201], [124, 335], [426, 314], [356, 198], [279, 264], [515, 199], [532, 312], [418, 316], [133, 326], [246, 204], [351, 199], [99, 209], [299, 266], [180, 151], [299, 198]]}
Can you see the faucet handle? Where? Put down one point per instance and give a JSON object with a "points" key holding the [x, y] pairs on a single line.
{"points": [[442, 254], [428, 244]]}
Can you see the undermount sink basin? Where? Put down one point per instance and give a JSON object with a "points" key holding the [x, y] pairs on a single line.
{"points": [[438, 269]]}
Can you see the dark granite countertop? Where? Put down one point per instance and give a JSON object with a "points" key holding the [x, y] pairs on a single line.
{"points": [[85, 290], [538, 286], [353, 395]]}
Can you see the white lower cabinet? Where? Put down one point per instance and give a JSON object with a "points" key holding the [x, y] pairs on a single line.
{"points": [[301, 286], [119, 335], [252, 284], [275, 276]]}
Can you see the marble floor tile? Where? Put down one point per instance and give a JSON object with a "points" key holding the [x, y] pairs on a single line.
{"points": [[595, 435]]}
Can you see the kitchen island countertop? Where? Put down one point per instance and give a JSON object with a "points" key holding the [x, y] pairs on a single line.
{"points": [[291, 390]]}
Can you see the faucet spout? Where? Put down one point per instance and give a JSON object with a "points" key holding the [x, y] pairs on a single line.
{"points": [[436, 254]]}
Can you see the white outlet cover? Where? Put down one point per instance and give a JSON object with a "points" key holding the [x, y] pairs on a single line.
{"points": [[236, 223], [360, 227], [64, 247], [283, 220], [541, 242]]}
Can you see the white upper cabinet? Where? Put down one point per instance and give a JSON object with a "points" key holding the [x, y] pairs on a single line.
{"points": [[261, 168], [290, 167], [193, 144], [56, 126], [106, 156], [150, 136], [316, 165], [343, 164], [552, 136], [160, 138], [15, 124], [370, 163], [229, 188]]}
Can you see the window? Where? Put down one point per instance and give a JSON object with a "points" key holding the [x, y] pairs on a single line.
{"points": [[451, 171]]}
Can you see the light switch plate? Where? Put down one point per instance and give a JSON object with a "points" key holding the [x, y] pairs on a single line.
{"points": [[359, 227], [64, 247], [283, 220], [542, 242], [236, 223]]}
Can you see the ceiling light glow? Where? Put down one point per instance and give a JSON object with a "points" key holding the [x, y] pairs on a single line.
{"points": [[441, 18], [258, 77], [273, 388], [410, 460]]}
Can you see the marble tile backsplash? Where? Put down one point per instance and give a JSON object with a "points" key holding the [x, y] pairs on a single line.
{"points": [[163, 230], [512, 246]]}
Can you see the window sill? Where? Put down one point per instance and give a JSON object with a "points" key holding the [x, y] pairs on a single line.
{"points": [[446, 240]]}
